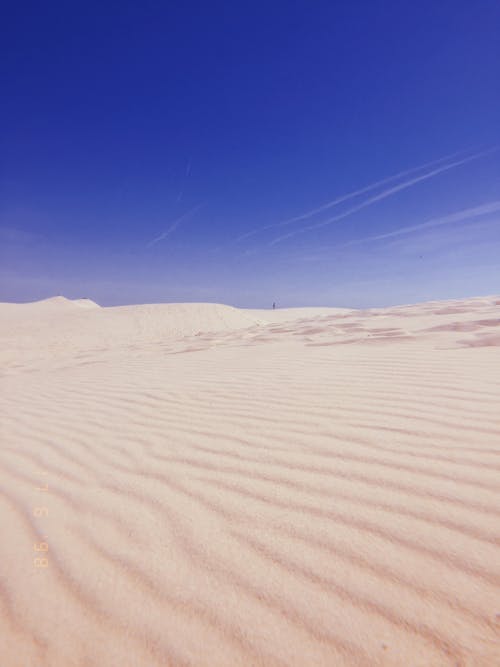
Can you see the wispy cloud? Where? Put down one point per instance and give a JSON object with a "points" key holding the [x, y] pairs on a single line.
{"points": [[351, 195], [175, 225], [459, 216], [384, 195]]}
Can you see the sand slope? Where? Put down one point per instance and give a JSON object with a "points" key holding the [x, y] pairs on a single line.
{"points": [[226, 487]]}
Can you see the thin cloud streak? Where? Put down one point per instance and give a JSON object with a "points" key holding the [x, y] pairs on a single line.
{"points": [[366, 188], [383, 195], [346, 197], [175, 225], [459, 216]]}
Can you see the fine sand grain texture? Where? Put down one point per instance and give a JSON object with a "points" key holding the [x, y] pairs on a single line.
{"points": [[217, 487]]}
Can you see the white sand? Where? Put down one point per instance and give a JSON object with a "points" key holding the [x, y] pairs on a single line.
{"points": [[311, 487]]}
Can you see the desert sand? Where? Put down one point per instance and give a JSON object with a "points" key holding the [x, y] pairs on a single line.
{"points": [[194, 484]]}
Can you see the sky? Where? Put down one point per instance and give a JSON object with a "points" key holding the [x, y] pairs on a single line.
{"points": [[300, 152]]}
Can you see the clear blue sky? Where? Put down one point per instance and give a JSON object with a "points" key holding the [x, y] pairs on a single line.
{"points": [[152, 151]]}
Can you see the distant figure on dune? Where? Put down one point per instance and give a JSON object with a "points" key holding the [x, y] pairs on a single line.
{"points": [[274, 305]]}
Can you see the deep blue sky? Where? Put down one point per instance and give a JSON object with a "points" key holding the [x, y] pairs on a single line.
{"points": [[118, 119]]}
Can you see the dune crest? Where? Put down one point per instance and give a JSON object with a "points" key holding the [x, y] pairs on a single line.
{"points": [[196, 484]]}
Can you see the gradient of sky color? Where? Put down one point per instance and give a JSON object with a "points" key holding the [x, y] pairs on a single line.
{"points": [[154, 151]]}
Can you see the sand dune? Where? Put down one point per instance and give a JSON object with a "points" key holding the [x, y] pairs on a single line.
{"points": [[224, 487]]}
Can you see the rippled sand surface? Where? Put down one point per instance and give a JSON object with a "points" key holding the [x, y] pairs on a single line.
{"points": [[193, 484]]}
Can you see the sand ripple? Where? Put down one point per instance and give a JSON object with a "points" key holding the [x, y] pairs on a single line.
{"points": [[321, 488]]}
